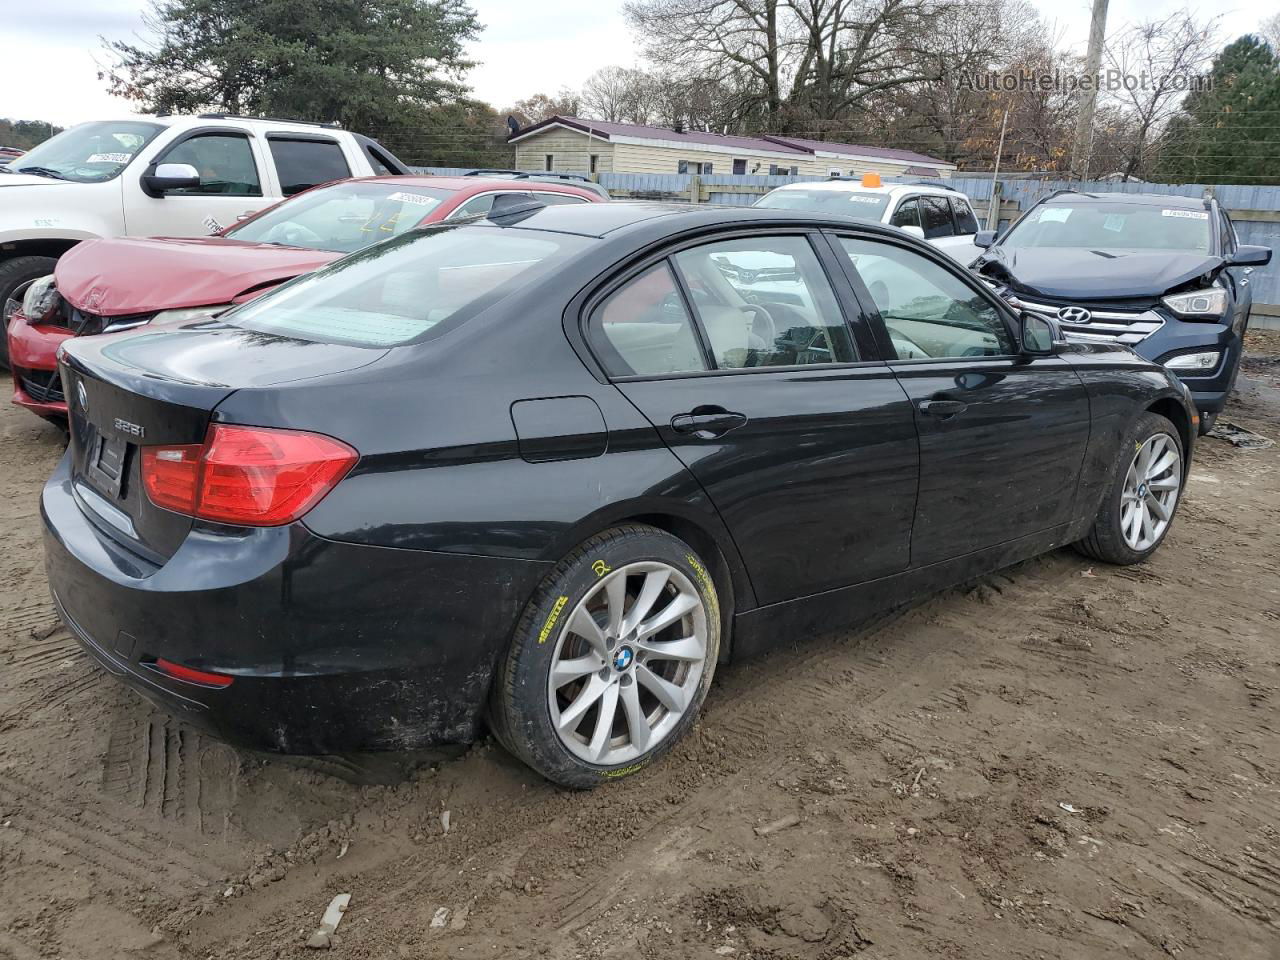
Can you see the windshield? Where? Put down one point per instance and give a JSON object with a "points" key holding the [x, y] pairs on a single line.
{"points": [[89, 152], [408, 288], [1124, 226], [344, 218], [842, 203]]}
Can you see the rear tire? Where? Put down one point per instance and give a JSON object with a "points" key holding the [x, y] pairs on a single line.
{"points": [[15, 274], [1142, 498], [589, 691]]}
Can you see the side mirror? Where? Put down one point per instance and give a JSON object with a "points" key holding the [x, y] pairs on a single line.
{"points": [[984, 238], [1037, 335], [170, 176], [1250, 256], [916, 232]]}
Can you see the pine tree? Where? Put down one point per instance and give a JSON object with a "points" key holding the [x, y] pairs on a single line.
{"points": [[1228, 132]]}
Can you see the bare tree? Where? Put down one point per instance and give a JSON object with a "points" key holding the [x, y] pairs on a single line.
{"points": [[540, 106], [1151, 62], [1270, 31], [618, 94], [790, 62]]}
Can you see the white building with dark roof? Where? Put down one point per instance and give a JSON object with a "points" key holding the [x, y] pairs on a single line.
{"points": [[575, 145]]}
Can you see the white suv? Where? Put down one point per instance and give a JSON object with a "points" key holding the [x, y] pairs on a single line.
{"points": [[160, 175], [940, 215]]}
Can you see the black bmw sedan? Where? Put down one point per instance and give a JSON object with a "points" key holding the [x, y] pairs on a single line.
{"points": [[543, 472]]}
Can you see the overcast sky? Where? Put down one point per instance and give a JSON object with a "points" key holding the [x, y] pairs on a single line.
{"points": [[49, 51]]}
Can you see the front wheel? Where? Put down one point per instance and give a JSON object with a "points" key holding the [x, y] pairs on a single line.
{"points": [[611, 660], [1146, 483], [1207, 422], [15, 276]]}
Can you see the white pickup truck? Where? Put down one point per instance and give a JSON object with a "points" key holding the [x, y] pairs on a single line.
{"points": [[176, 176]]}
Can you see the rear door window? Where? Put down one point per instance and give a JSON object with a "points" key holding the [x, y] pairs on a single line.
{"points": [[937, 218], [304, 163], [765, 302]]}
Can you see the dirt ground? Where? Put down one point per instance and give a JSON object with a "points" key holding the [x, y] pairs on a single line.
{"points": [[1064, 760]]}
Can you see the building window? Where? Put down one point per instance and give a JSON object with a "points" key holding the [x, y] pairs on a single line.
{"points": [[706, 169], [739, 168], [682, 166], [694, 167], [549, 161], [595, 160]]}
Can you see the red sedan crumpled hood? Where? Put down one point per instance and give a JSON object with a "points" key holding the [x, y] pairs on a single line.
{"points": [[120, 276]]}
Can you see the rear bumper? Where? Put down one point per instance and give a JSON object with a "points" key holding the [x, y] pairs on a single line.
{"points": [[33, 356], [331, 646], [1176, 336]]}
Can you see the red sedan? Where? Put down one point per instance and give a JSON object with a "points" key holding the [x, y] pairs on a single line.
{"points": [[115, 283]]}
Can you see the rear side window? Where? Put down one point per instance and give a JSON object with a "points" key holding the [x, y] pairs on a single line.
{"points": [[643, 329], [966, 222], [224, 162], [407, 288], [304, 163], [937, 217]]}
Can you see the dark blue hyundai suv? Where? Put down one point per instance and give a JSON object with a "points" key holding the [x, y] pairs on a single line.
{"points": [[1165, 275]]}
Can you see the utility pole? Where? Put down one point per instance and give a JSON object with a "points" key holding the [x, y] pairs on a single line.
{"points": [[1093, 63], [993, 208]]}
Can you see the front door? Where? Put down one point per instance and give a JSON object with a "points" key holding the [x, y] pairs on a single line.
{"points": [[232, 182], [806, 447], [1002, 436]]}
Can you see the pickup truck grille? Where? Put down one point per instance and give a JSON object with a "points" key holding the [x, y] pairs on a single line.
{"points": [[42, 386], [1113, 326]]}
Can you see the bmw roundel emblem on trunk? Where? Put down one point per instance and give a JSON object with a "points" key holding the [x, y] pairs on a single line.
{"points": [[1074, 315], [82, 395]]}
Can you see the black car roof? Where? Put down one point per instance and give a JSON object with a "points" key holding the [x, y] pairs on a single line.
{"points": [[1149, 199], [603, 219]]}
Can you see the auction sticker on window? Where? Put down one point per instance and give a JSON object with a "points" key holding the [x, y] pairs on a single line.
{"points": [[1186, 214], [855, 198], [110, 158], [1054, 215], [419, 198]]}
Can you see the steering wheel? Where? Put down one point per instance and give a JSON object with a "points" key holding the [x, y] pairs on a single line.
{"points": [[293, 234], [762, 325]]}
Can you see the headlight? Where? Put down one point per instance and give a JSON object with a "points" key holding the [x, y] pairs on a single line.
{"points": [[41, 299], [190, 313], [1211, 301], [1200, 362]]}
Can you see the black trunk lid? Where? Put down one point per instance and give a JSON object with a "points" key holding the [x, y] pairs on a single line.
{"points": [[161, 386]]}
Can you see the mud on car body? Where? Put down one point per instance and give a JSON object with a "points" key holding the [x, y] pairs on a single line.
{"points": [[1164, 275], [544, 471]]}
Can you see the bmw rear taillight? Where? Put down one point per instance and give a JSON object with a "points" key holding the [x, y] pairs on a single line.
{"points": [[248, 476]]}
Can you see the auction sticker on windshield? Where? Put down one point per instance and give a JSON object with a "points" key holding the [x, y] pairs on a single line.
{"points": [[1054, 215], [1186, 214], [418, 198], [110, 158]]}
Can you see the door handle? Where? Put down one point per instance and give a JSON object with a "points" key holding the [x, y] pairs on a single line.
{"points": [[943, 409], [707, 423]]}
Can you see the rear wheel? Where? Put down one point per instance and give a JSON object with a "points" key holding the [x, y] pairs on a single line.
{"points": [[1138, 509], [612, 659], [15, 276]]}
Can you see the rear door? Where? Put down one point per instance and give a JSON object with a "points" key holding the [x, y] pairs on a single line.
{"points": [[753, 377], [1002, 436]]}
